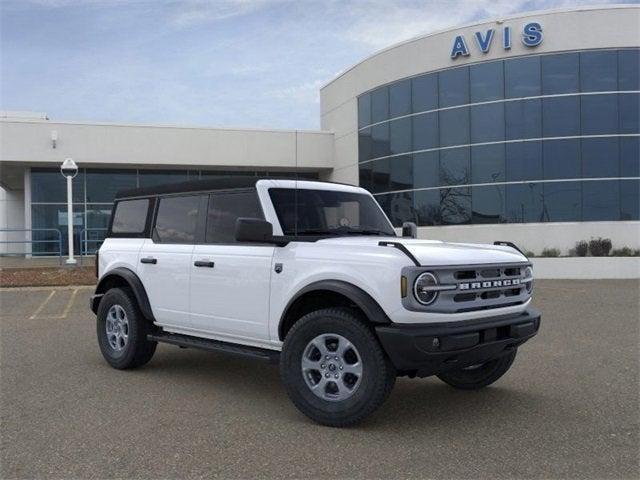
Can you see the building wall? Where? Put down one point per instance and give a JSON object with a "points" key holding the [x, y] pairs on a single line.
{"points": [[11, 217]]}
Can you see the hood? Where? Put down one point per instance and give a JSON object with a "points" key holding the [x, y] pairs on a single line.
{"points": [[437, 253]]}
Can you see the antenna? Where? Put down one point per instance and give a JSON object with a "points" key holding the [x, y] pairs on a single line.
{"points": [[295, 193]]}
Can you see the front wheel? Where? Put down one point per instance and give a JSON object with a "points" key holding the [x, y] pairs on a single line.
{"points": [[481, 375], [334, 369], [122, 330]]}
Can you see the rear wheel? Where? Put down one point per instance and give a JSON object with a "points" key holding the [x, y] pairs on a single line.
{"points": [[122, 330], [481, 375], [334, 368]]}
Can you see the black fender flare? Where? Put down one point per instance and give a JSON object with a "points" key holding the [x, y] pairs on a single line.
{"points": [[372, 310], [134, 283]]}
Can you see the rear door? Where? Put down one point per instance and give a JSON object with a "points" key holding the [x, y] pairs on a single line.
{"points": [[164, 263], [230, 280]]}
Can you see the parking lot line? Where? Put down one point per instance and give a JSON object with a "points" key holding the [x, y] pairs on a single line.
{"points": [[42, 305]]}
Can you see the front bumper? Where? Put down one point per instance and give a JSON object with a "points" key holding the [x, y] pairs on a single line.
{"points": [[94, 301], [426, 350]]}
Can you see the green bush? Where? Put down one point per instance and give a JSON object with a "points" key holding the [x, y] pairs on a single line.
{"points": [[529, 254], [581, 248], [600, 247], [625, 252], [550, 252]]}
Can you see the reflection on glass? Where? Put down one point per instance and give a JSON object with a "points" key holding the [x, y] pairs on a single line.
{"points": [[454, 87], [522, 77], [380, 140], [380, 172], [454, 127], [401, 176], [561, 116], [454, 166], [629, 112], [400, 208], [55, 217], [424, 92], [365, 145], [425, 131], [365, 176], [364, 110], [630, 200], [102, 185], [630, 157], [599, 71], [629, 69], [426, 169], [400, 98], [380, 104], [487, 163], [561, 159], [49, 186], [487, 81], [455, 205], [488, 204], [560, 73], [487, 123], [524, 203], [601, 200], [427, 207], [523, 119], [151, 178], [600, 157], [400, 135], [523, 161], [599, 114], [562, 201]]}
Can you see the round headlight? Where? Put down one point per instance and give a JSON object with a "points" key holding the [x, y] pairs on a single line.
{"points": [[423, 288], [528, 278]]}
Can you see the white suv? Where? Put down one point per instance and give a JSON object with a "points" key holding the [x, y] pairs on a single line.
{"points": [[312, 275]]}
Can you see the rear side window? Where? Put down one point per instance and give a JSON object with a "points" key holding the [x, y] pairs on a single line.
{"points": [[177, 218], [130, 216], [225, 209]]}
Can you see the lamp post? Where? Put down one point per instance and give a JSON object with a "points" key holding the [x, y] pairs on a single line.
{"points": [[69, 169]]}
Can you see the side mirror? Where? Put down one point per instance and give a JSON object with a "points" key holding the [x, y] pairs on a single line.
{"points": [[254, 230], [409, 230]]}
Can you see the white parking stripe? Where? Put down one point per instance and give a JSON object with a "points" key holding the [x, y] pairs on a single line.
{"points": [[69, 305], [42, 305]]}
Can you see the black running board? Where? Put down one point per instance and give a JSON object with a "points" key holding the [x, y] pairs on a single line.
{"points": [[271, 356]]}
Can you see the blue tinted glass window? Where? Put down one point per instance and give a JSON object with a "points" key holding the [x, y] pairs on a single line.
{"points": [[380, 104], [524, 203], [522, 77], [102, 185], [487, 81], [629, 69], [424, 92], [400, 98], [366, 179], [562, 201], [454, 166], [561, 159], [401, 177], [600, 200], [599, 114], [427, 207], [365, 147], [487, 163], [426, 169], [380, 175], [49, 186], [487, 123], [400, 135], [454, 87], [561, 116], [455, 205], [630, 157], [53, 216], [380, 140], [425, 131], [523, 161], [560, 73], [629, 112], [600, 157], [488, 204], [454, 127], [630, 200], [599, 71], [400, 208], [150, 178], [364, 110], [523, 119]]}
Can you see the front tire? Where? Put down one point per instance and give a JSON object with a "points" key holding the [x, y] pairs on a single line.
{"points": [[334, 369], [122, 330], [479, 376]]}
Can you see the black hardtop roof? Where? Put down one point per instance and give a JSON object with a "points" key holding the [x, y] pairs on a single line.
{"points": [[221, 183]]}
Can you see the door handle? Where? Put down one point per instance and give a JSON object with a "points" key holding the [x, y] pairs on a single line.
{"points": [[204, 263], [149, 260]]}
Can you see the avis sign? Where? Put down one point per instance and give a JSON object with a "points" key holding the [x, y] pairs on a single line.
{"points": [[531, 37]]}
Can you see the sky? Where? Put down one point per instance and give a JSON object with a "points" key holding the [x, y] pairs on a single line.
{"points": [[218, 63]]}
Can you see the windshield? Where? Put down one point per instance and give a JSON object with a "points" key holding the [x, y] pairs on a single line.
{"points": [[328, 212]]}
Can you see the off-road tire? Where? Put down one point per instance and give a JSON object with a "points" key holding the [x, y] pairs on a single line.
{"points": [[480, 377], [378, 376], [138, 350]]}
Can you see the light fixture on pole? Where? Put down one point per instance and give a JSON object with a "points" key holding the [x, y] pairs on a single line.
{"points": [[69, 169]]}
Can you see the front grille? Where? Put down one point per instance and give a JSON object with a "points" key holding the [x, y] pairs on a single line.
{"points": [[479, 287]]}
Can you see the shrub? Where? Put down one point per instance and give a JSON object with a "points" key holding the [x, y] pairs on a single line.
{"points": [[624, 252], [550, 252], [529, 254], [600, 247], [581, 249]]}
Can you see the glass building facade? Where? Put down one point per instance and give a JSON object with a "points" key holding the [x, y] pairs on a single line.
{"points": [[540, 138], [93, 194]]}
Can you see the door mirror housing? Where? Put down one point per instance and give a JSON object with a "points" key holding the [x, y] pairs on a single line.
{"points": [[409, 230], [254, 230]]}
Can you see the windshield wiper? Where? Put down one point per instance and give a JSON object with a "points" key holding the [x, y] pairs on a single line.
{"points": [[364, 231], [317, 231]]}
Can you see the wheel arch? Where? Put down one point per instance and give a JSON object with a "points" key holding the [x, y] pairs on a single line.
{"points": [[327, 293], [123, 277]]}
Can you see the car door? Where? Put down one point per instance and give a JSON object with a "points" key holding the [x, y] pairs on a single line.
{"points": [[230, 280], [165, 259]]}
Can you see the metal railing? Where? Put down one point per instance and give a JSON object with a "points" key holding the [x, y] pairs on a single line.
{"points": [[57, 241], [85, 240]]}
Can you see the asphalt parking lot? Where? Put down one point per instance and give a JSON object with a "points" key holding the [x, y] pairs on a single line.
{"points": [[569, 407]]}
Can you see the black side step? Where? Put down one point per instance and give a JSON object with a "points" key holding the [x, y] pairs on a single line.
{"points": [[271, 356]]}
